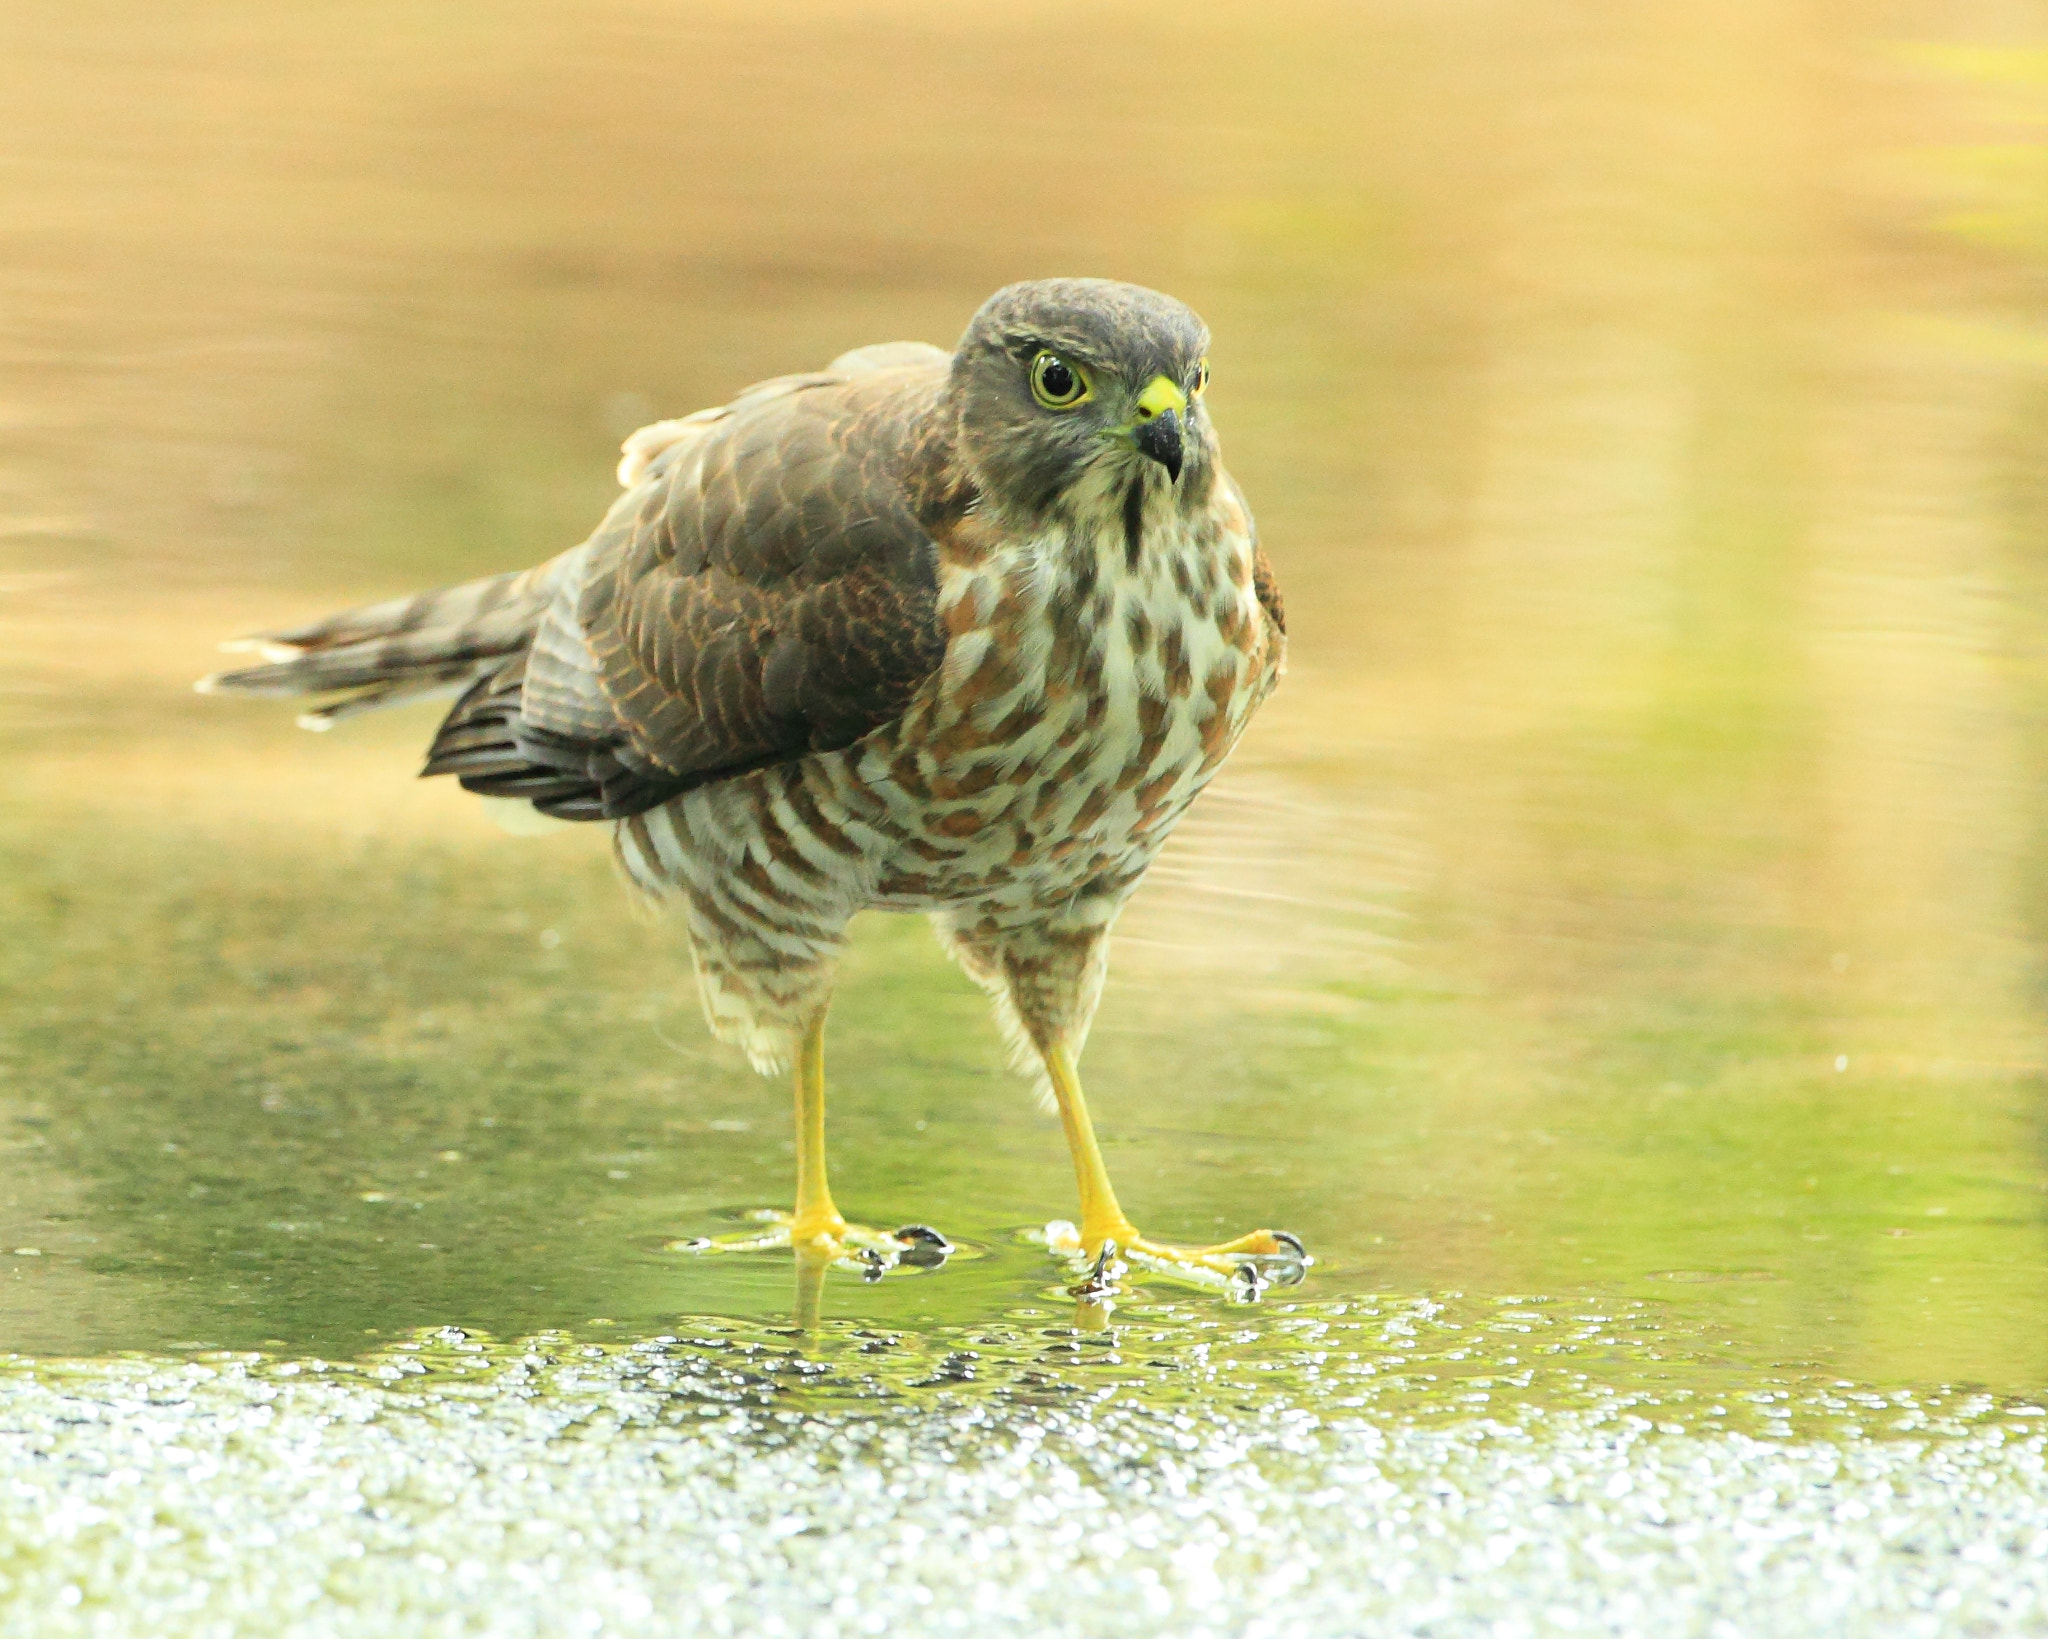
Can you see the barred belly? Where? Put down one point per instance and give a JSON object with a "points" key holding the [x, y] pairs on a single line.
{"points": [[1084, 702]]}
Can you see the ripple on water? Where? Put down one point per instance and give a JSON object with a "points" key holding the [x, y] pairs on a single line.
{"points": [[1374, 1467]]}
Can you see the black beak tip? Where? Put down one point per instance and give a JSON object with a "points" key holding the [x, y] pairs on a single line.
{"points": [[1160, 438]]}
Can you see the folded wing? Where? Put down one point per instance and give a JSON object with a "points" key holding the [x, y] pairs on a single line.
{"points": [[762, 591]]}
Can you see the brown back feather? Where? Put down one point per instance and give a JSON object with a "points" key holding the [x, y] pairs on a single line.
{"points": [[764, 592]]}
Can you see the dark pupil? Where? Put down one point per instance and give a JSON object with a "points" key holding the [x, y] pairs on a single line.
{"points": [[1056, 379]]}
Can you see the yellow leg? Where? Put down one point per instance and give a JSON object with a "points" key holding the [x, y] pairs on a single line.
{"points": [[1101, 1218], [816, 1218], [1264, 1257], [820, 1235]]}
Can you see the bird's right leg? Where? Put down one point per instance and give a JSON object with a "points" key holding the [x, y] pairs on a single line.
{"points": [[816, 1221], [766, 928], [816, 1228]]}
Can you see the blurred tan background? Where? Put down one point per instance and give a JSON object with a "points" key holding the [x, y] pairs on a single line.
{"points": [[1639, 879]]}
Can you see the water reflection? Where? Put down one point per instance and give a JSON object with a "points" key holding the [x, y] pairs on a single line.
{"points": [[1634, 890]]}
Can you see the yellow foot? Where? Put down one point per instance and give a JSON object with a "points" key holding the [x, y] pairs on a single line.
{"points": [[1245, 1268], [870, 1253]]}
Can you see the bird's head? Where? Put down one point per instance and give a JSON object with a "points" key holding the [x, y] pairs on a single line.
{"points": [[1067, 387]]}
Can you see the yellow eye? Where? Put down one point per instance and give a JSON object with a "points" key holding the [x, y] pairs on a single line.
{"points": [[1201, 385], [1057, 384]]}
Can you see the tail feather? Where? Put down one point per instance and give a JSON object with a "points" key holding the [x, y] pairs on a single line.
{"points": [[426, 685], [402, 649]]}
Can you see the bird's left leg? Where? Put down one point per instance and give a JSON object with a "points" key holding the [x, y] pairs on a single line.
{"points": [[1046, 978], [1250, 1263]]}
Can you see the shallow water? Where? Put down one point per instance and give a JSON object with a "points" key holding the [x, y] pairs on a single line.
{"points": [[1617, 950]]}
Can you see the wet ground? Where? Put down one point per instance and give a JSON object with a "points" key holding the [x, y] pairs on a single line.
{"points": [[1398, 1466], [1617, 950]]}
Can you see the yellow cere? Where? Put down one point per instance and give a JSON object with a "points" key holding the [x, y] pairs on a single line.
{"points": [[1160, 395]]}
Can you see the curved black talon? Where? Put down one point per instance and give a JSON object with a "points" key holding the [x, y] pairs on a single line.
{"points": [[1248, 1283], [873, 1265], [923, 1246], [1288, 1268], [1099, 1282], [1260, 1272]]}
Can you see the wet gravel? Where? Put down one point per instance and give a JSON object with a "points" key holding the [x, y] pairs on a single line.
{"points": [[1411, 1468]]}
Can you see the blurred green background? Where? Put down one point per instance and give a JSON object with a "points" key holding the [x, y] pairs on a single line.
{"points": [[1637, 887]]}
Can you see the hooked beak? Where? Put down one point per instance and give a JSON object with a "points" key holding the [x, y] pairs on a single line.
{"points": [[1161, 439], [1158, 431]]}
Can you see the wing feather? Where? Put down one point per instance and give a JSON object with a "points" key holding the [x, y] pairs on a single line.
{"points": [[763, 590]]}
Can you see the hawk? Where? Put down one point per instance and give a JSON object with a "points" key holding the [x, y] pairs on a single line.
{"points": [[959, 634]]}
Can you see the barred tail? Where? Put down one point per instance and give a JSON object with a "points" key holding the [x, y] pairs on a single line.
{"points": [[431, 643]]}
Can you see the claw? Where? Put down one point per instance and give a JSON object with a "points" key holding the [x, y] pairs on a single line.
{"points": [[1243, 1269], [1100, 1281], [870, 1253], [1248, 1283], [923, 1246], [1284, 1268]]}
